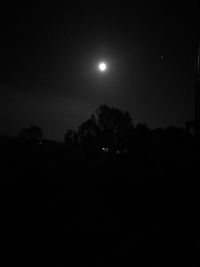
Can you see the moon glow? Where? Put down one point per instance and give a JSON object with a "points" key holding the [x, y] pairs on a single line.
{"points": [[102, 66]]}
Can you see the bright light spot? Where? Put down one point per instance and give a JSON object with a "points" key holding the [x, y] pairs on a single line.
{"points": [[102, 66]]}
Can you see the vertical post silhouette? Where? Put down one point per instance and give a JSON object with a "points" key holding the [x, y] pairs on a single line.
{"points": [[194, 126], [197, 89]]}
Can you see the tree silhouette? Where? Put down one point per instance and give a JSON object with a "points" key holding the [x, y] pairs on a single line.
{"points": [[115, 126], [107, 126], [31, 134], [89, 131], [109, 118], [71, 137]]}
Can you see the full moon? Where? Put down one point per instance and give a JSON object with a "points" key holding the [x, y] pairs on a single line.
{"points": [[102, 66]]}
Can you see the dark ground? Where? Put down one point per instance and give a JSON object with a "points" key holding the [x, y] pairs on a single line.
{"points": [[100, 210]]}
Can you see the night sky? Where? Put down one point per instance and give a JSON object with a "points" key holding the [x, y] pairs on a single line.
{"points": [[49, 54]]}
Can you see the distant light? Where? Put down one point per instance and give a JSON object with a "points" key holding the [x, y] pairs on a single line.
{"points": [[102, 66], [125, 150], [105, 149]]}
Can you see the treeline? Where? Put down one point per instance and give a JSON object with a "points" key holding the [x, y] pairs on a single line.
{"points": [[107, 143], [111, 130]]}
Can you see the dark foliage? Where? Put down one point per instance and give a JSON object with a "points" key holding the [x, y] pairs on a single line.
{"points": [[132, 204], [31, 134]]}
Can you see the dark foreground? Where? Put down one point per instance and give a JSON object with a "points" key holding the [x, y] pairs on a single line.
{"points": [[100, 210]]}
